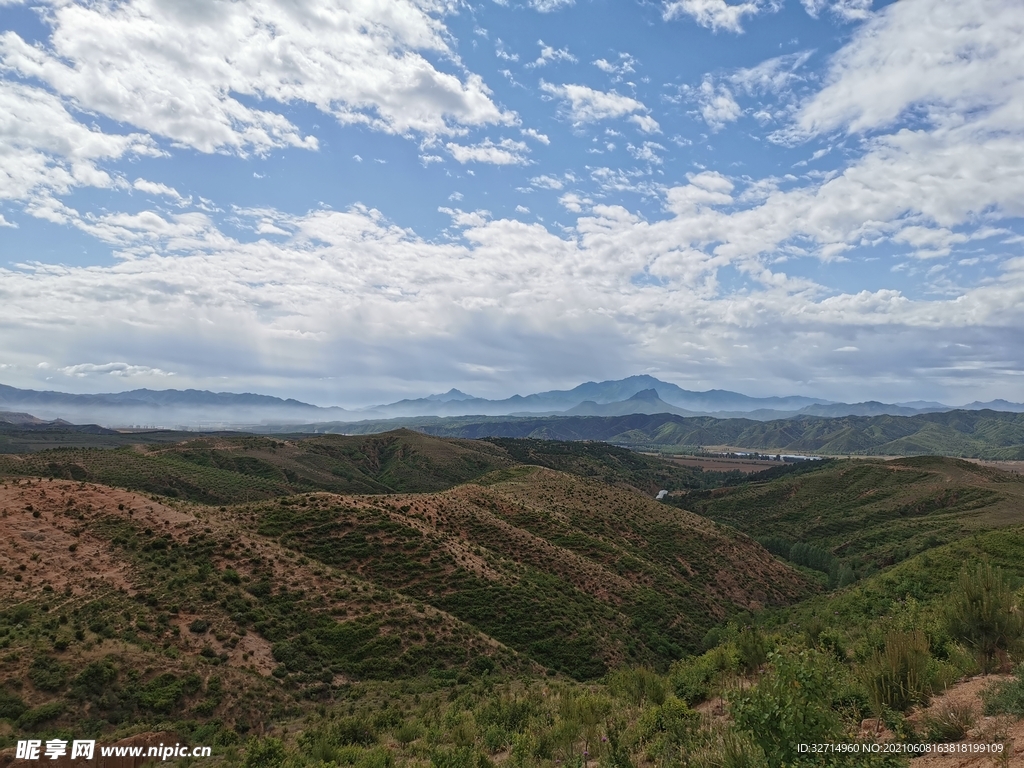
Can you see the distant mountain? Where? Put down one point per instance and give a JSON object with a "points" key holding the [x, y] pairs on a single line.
{"points": [[24, 419], [191, 408], [165, 408], [449, 396], [644, 401], [996, 405], [870, 408]]}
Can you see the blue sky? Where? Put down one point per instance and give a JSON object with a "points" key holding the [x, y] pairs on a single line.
{"points": [[348, 202]]}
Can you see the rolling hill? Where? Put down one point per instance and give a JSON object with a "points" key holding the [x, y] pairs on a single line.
{"points": [[119, 609], [981, 434], [867, 513], [232, 466]]}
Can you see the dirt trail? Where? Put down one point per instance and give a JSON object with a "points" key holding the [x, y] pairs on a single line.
{"points": [[1001, 729]]}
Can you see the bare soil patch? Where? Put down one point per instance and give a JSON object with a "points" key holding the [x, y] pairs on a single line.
{"points": [[987, 730]]}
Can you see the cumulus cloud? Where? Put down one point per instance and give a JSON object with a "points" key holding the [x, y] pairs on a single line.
{"points": [[504, 152], [549, 54], [619, 69], [586, 105], [327, 293], [646, 152], [717, 105], [194, 73], [847, 10], [716, 14], [46, 151], [547, 6]]}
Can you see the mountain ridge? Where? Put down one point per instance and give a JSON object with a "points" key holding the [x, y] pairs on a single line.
{"points": [[203, 408]]}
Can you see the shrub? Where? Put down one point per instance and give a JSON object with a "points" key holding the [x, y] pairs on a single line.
{"points": [[1006, 698], [693, 679], [637, 685], [11, 705], [788, 707], [33, 717], [407, 733], [897, 676], [950, 723], [47, 674], [982, 613], [752, 649], [264, 753]]}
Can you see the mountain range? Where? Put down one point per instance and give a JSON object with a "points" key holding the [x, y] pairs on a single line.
{"points": [[643, 394]]}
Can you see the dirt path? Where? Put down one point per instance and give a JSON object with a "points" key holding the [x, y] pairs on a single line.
{"points": [[1001, 729]]}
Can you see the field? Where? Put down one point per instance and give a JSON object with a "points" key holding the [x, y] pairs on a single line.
{"points": [[408, 600]]}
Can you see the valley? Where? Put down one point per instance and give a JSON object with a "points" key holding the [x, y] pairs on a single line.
{"points": [[403, 599]]}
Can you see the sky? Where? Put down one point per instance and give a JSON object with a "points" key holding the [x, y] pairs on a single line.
{"points": [[349, 202]]}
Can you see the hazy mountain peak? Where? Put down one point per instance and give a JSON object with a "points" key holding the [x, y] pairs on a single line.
{"points": [[450, 396]]}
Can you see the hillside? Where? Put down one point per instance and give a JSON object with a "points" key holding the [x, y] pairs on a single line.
{"points": [[868, 513], [237, 468], [231, 467], [981, 434], [140, 610]]}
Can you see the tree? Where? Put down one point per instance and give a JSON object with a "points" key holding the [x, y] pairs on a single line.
{"points": [[982, 613]]}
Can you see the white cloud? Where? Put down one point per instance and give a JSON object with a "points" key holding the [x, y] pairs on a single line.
{"points": [[111, 369], [504, 152], [522, 209], [549, 54], [624, 66], [155, 188], [547, 182], [935, 59], [574, 202], [588, 105], [847, 10], [647, 152], [45, 151], [645, 123], [535, 135], [547, 6], [716, 14], [717, 105], [191, 72]]}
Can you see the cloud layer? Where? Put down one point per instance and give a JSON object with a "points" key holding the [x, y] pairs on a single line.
{"points": [[904, 144]]}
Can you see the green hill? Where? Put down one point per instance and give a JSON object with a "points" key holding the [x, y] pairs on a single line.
{"points": [[234, 468], [868, 513], [228, 469], [979, 434]]}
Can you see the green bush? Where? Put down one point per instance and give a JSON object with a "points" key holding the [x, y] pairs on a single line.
{"points": [[982, 612], [789, 706], [637, 685], [47, 674], [165, 692], [897, 677], [693, 679], [264, 753], [33, 717], [1007, 697], [752, 649], [11, 705], [94, 680]]}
